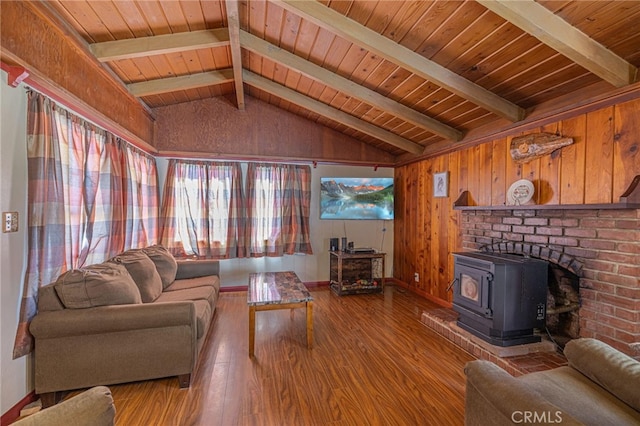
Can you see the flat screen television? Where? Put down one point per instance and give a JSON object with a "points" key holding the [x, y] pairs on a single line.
{"points": [[356, 198]]}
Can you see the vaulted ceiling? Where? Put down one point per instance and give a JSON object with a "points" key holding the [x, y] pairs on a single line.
{"points": [[402, 76]]}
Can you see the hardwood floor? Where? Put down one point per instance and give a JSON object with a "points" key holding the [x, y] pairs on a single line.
{"points": [[373, 363]]}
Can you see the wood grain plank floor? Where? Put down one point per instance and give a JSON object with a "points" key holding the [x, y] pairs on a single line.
{"points": [[373, 363]]}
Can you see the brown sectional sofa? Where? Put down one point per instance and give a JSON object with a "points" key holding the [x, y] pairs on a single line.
{"points": [[140, 315], [600, 386]]}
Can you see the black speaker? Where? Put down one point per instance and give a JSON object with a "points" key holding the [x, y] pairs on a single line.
{"points": [[333, 244]]}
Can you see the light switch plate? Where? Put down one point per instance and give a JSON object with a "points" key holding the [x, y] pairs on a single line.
{"points": [[10, 221]]}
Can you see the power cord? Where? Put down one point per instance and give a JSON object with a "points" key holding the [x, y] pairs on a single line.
{"points": [[384, 230], [558, 347]]}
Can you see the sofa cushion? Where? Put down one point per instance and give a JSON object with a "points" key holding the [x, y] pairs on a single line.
{"points": [[579, 397], [204, 300], [143, 271], [189, 268], [209, 281], [48, 299], [198, 293], [613, 370], [97, 285], [166, 264]]}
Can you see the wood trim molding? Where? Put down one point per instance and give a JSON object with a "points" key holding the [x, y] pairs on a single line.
{"points": [[13, 413], [399, 283], [15, 74], [308, 284], [231, 289], [317, 284], [292, 160]]}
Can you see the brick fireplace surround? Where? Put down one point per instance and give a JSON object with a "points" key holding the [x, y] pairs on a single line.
{"points": [[602, 247]]}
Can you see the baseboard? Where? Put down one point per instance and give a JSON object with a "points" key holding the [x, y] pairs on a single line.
{"points": [[14, 412], [438, 301], [230, 289], [394, 282], [429, 297], [308, 284], [388, 281], [312, 284]]}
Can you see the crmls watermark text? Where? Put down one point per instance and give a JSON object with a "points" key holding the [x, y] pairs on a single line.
{"points": [[533, 417]]}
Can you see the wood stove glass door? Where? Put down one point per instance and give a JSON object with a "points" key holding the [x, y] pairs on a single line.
{"points": [[472, 289]]}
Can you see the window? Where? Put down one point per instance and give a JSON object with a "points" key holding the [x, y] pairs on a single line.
{"points": [[278, 199], [202, 210]]}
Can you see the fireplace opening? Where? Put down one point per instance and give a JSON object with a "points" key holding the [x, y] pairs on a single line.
{"points": [[563, 305], [562, 319]]}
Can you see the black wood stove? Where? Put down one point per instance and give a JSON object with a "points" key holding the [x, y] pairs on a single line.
{"points": [[501, 298]]}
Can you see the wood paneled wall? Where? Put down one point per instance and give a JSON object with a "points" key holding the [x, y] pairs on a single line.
{"points": [[216, 128], [58, 66], [597, 168]]}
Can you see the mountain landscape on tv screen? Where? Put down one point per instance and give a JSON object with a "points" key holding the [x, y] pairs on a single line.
{"points": [[356, 198]]}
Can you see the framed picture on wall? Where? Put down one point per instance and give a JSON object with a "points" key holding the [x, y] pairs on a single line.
{"points": [[441, 184]]}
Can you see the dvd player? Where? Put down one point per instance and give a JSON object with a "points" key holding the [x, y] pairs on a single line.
{"points": [[361, 250]]}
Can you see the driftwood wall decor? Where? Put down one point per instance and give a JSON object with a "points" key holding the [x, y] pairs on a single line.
{"points": [[528, 147]]}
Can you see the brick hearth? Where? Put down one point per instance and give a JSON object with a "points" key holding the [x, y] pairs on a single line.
{"points": [[602, 247], [533, 357]]}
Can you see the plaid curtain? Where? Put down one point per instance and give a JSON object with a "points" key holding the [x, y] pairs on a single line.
{"points": [[202, 210], [279, 198], [143, 196], [78, 189]]}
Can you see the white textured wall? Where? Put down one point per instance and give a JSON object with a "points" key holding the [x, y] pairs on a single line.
{"points": [[16, 374], [364, 233]]}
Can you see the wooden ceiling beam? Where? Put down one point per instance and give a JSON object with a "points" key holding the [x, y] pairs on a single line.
{"points": [[360, 35], [540, 22], [329, 112], [346, 86], [172, 84], [158, 45], [233, 21]]}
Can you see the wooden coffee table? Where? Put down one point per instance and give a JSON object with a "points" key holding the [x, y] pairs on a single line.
{"points": [[269, 291]]}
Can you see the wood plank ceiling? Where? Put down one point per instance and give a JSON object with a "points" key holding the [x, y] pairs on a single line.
{"points": [[398, 75]]}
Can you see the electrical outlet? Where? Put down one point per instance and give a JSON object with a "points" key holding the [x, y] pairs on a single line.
{"points": [[10, 220], [416, 277]]}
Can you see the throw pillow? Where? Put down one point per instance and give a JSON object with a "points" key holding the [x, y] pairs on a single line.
{"points": [[143, 271], [97, 285], [166, 264]]}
